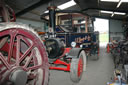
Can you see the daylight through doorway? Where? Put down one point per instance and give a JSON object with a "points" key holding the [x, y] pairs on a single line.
{"points": [[102, 25]]}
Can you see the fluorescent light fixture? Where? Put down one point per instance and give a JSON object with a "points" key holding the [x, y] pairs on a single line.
{"points": [[119, 13], [67, 5], [112, 15], [46, 11], [110, 0], [120, 2], [108, 12], [124, 0], [118, 5], [114, 0]]}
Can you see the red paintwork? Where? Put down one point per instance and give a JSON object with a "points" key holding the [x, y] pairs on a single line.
{"points": [[13, 48], [5, 47], [67, 50], [59, 62], [80, 67]]}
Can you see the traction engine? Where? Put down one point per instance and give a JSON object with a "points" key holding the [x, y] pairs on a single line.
{"points": [[69, 59], [22, 60]]}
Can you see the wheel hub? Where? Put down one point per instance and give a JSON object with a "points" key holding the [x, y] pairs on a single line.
{"points": [[18, 77]]}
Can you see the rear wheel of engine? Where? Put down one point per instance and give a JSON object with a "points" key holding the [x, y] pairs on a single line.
{"points": [[23, 59]]}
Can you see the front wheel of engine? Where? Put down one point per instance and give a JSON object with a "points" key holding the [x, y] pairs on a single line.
{"points": [[78, 65]]}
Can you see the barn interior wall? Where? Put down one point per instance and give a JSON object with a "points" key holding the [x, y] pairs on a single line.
{"points": [[115, 30], [37, 25]]}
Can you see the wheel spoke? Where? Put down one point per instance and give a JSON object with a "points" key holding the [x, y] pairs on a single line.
{"points": [[27, 52], [11, 45], [29, 59], [18, 50], [34, 67], [4, 61]]}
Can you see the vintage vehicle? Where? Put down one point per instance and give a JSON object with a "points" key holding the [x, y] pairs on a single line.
{"points": [[61, 57], [68, 50], [119, 52], [22, 60]]}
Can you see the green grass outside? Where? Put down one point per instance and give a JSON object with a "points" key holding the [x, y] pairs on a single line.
{"points": [[104, 37]]}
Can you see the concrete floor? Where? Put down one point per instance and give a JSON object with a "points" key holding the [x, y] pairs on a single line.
{"points": [[98, 72]]}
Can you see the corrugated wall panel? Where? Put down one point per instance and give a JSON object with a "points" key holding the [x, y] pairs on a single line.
{"points": [[115, 30]]}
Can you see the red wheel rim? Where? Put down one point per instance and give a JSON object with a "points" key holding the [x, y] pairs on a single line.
{"points": [[80, 66], [18, 57]]}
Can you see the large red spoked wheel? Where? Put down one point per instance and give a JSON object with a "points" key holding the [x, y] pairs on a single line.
{"points": [[23, 59], [78, 65]]}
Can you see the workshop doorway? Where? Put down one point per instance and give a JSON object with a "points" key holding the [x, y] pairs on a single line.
{"points": [[102, 25]]}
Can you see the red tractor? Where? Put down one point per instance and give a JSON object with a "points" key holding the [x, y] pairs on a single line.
{"points": [[23, 58]]}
